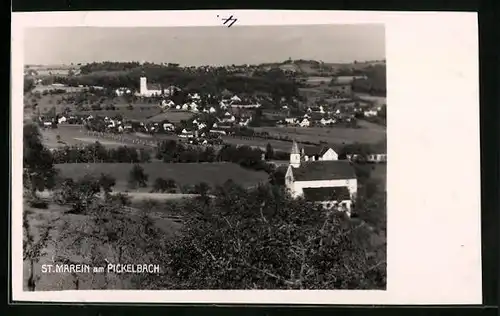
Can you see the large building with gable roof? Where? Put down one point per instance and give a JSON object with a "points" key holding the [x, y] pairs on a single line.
{"points": [[317, 175]]}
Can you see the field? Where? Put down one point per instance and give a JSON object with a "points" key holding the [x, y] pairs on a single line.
{"points": [[141, 111], [369, 133], [138, 113], [71, 135], [172, 116], [182, 173], [377, 100], [318, 80]]}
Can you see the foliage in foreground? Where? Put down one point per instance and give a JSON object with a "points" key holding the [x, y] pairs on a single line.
{"points": [[262, 239]]}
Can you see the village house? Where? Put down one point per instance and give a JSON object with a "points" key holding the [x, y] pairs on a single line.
{"points": [[305, 122], [370, 113], [318, 153], [122, 91], [331, 183]]}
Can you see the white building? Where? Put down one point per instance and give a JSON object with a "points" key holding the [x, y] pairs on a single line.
{"points": [[149, 90], [370, 113], [305, 123], [328, 181]]}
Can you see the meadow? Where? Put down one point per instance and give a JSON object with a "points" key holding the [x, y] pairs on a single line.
{"points": [[138, 113], [368, 133], [71, 135], [181, 173], [259, 142], [172, 116]]}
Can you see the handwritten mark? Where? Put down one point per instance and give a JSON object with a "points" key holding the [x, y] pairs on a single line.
{"points": [[229, 21]]}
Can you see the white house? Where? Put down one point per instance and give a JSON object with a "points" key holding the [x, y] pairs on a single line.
{"points": [[235, 98], [212, 110], [332, 183], [291, 120], [185, 107], [370, 113], [305, 123], [318, 153], [193, 106], [121, 91], [169, 104], [168, 126], [149, 90]]}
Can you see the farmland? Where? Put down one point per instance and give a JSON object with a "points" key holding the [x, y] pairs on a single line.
{"points": [[182, 173], [258, 142], [172, 116], [369, 133], [137, 113], [71, 135]]}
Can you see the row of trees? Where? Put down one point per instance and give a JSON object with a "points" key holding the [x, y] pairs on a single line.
{"points": [[375, 83], [213, 82], [97, 153]]}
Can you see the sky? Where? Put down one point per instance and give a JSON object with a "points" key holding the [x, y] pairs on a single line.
{"points": [[214, 45]]}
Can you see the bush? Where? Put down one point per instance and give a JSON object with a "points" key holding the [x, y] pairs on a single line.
{"points": [[137, 177], [38, 203]]}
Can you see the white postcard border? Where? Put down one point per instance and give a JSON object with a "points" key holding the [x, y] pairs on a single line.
{"points": [[434, 254]]}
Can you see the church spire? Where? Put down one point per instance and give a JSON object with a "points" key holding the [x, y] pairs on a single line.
{"points": [[295, 148], [295, 155]]}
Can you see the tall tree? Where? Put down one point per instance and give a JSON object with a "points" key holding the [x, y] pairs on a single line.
{"points": [[137, 177], [38, 167], [269, 152]]}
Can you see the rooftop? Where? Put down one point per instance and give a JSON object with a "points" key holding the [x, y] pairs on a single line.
{"points": [[324, 170], [326, 194], [153, 86], [315, 150]]}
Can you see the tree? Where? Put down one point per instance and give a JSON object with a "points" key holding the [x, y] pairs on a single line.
{"points": [[38, 167], [107, 182], [33, 250], [263, 239], [29, 84], [269, 152], [78, 194], [162, 185], [107, 236], [202, 189], [144, 155], [137, 177]]}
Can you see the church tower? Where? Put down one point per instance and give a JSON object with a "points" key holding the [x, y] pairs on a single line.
{"points": [[143, 86], [295, 155]]}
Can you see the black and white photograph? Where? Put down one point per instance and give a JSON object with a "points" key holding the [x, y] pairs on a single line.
{"points": [[205, 158], [234, 156]]}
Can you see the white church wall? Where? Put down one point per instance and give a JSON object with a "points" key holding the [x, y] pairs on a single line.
{"points": [[298, 186]]}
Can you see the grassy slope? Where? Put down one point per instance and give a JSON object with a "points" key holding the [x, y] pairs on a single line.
{"points": [[182, 173]]}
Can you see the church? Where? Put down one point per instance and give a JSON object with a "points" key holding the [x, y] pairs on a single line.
{"points": [[148, 90], [317, 174]]}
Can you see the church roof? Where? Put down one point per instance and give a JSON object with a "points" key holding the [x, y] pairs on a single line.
{"points": [[324, 170], [326, 194], [315, 150]]}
